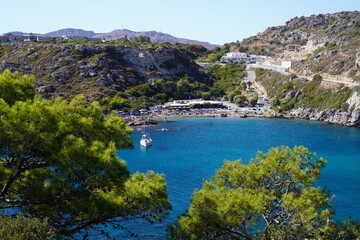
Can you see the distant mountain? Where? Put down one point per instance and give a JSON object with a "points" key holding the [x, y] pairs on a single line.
{"points": [[155, 37], [71, 32]]}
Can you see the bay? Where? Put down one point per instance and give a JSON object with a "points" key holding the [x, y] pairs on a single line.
{"points": [[193, 148]]}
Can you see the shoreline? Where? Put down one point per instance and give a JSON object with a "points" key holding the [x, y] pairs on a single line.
{"points": [[247, 115], [348, 119]]}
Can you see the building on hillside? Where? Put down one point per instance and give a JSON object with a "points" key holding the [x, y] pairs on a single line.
{"points": [[43, 38], [294, 48], [94, 39], [235, 57], [58, 38]]}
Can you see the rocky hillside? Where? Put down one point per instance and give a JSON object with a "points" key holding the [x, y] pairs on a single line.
{"points": [[326, 44], [99, 70], [310, 99]]}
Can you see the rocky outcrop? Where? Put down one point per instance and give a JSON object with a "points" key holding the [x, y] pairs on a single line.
{"points": [[354, 101], [350, 118], [138, 121], [293, 94]]}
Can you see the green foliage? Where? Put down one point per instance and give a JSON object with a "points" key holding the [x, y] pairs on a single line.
{"points": [[119, 103], [141, 39], [270, 198], [25, 228], [254, 100], [275, 102], [317, 78], [319, 50], [330, 45], [16, 87], [240, 100], [215, 54], [58, 161], [227, 77], [213, 57], [259, 72], [183, 87]]}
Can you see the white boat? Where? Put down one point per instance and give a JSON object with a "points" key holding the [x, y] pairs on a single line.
{"points": [[146, 140]]}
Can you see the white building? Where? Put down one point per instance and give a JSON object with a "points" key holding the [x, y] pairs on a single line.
{"points": [[234, 57], [196, 103]]}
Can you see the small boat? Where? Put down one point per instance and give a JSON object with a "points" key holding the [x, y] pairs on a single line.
{"points": [[145, 141], [163, 130]]}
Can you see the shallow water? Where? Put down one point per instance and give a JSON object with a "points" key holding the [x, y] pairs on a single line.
{"points": [[193, 148]]}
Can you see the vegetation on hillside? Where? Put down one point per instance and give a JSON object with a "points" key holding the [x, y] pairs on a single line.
{"points": [[230, 83], [272, 197], [227, 81], [288, 92]]}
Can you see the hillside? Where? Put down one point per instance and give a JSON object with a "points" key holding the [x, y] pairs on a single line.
{"points": [[326, 44], [101, 70]]}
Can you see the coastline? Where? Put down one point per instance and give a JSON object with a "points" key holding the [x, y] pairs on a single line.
{"points": [[329, 116], [292, 115]]}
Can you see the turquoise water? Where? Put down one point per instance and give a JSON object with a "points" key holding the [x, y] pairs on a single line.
{"points": [[194, 148]]}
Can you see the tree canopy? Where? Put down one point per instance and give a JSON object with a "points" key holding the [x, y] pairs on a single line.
{"points": [[16, 87], [58, 161], [273, 197]]}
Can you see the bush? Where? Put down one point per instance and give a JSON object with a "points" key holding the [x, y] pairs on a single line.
{"points": [[23, 228]]}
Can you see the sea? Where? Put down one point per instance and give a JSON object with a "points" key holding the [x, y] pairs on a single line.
{"points": [[194, 148]]}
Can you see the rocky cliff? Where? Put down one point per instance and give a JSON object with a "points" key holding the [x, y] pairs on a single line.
{"points": [[99, 70], [334, 116]]}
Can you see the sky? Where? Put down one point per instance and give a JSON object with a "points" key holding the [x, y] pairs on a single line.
{"points": [[214, 21]]}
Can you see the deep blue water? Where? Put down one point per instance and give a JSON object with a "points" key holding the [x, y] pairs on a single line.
{"points": [[194, 148]]}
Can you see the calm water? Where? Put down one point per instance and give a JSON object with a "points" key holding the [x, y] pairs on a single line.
{"points": [[194, 148]]}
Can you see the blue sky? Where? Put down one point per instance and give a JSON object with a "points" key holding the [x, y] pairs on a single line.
{"points": [[214, 21]]}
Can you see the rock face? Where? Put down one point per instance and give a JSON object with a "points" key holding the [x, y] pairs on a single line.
{"points": [[350, 118], [293, 94], [354, 101], [138, 121]]}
